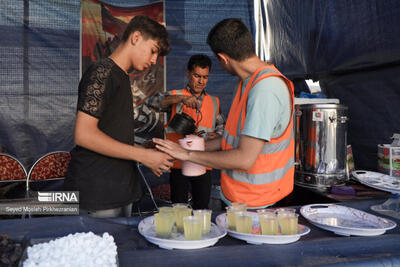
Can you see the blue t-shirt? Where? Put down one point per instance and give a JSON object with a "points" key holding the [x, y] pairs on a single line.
{"points": [[268, 109]]}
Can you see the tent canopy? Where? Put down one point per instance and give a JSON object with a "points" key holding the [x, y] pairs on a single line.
{"points": [[352, 47]]}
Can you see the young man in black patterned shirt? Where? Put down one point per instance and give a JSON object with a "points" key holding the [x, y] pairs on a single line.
{"points": [[102, 166]]}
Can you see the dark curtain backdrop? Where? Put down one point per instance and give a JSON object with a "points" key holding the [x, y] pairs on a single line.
{"points": [[39, 74], [39, 65], [352, 47]]}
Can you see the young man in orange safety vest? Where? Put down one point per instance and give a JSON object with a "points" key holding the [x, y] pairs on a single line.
{"points": [[204, 109], [256, 151]]}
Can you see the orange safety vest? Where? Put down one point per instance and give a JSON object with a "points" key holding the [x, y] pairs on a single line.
{"points": [[271, 178], [205, 120]]}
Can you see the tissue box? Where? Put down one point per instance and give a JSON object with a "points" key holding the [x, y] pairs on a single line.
{"points": [[389, 159]]}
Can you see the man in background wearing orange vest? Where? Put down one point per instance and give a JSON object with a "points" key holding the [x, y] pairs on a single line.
{"points": [[256, 150], [204, 109]]}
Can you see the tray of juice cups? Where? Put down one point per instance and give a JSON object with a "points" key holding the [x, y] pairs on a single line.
{"points": [[176, 228], [266, 226]]}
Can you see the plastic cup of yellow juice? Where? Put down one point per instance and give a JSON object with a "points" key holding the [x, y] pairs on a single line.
{"points": [[180, 205], [192, 228], [283, 211], [268, 221], [240, 206], [244, 222], [181, 210], [230, 210], [288, 223], [273, 211], [166, 210], [205, 217], [164, 223]]}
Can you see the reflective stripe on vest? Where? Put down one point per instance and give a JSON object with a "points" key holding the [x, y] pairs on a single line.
{"points": [[267, 149], [206, 121], [261, 178], [271, 177]]}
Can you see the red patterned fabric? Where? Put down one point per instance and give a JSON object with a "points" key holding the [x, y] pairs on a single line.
{"points": [[11, 169], [163, 192], [51, 166]]}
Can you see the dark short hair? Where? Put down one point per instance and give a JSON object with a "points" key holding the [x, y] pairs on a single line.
{"points": [[149, 29], [232, 37], [199, 60]]}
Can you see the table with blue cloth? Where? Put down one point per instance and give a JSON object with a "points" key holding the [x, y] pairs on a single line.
{"points": [[318, 248]]}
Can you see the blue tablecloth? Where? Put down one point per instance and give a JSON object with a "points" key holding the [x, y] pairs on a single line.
{"points": [[318, 248]]}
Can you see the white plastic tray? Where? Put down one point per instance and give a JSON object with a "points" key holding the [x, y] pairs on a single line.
{"points": [[177, 240], [345, 220], [258, 239], [378, 180]]}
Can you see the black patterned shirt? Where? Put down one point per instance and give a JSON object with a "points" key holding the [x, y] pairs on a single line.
{"points": [[105, 182]]}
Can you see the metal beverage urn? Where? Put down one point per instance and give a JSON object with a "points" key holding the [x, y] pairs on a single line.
{"points": [[321, 140]]}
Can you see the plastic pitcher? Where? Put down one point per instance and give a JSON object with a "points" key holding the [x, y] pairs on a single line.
{"points": [[192, 142]]}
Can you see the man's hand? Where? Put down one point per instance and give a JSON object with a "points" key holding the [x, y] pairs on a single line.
{"points": [[211, 136], [243, 157], [158, 161], [88, 135], [171, 148], [191, 102]]}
